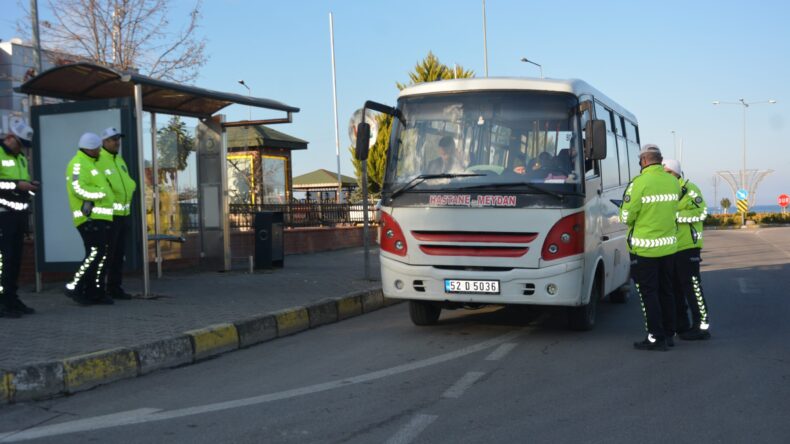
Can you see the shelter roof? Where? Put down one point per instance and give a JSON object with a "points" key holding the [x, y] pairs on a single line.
{"points": [[260, 136], [86, 81], [321, 178]]}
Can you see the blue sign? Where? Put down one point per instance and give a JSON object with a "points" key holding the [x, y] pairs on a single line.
{"points": [[741, 194]]}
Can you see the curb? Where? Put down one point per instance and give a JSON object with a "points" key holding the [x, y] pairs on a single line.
{"points": [[83, 372]]}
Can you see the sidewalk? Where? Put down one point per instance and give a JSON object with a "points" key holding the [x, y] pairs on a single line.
{"points": [[194, 316]]}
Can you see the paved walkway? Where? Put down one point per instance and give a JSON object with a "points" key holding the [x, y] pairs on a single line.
{"points": [[60, 328]]}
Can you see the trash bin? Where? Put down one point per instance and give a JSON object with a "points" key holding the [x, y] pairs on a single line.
{"points": [[269, 239]]}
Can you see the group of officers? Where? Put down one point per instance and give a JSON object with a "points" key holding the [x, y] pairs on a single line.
{"points": [[99, 191], [664, 214]]}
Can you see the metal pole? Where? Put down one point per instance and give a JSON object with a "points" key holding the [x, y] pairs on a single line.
{"points": [[155, 197], [485, 44], [674, 144], [743, 171], [224, 195], [680, 151], [365, 223], [334, 100], [138, 113]]}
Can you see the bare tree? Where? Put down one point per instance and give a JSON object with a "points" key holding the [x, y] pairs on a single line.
{"points": [[127, 35]]}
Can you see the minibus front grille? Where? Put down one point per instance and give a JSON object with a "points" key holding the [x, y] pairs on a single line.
{"points": [[476, 237], [467, 268], [419, 286], [529, 289], [473, 251]]}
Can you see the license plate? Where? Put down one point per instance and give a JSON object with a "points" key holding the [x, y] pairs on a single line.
{"points": [[471, 286]]}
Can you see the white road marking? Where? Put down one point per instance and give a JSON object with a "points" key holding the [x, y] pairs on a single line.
{"points": [[97, 422], [141, 416], [411, 430], [745, 286], [773, 245], [501, 351], [466, 381]]}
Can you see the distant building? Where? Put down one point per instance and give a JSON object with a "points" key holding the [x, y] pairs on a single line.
{"points": [[18, 65], [321, 186]]}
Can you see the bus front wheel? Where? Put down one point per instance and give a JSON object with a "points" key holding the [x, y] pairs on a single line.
{"points": [[424, 313], [583, 317]]}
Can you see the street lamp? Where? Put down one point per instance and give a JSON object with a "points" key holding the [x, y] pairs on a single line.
{"points": [[526, 60], [249, 94], [745, 105], [674, 144]]}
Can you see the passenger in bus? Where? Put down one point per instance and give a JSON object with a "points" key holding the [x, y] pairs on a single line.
{"points": [[565, 160], [447, 161]]}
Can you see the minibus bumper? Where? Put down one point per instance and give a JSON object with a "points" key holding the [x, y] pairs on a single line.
{"points": [[516, 286]]}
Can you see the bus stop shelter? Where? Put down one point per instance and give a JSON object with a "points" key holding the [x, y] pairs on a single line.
{"points": [[99, 97]]}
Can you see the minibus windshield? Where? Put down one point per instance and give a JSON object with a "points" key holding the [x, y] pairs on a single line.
{"points": [[494, 139]]}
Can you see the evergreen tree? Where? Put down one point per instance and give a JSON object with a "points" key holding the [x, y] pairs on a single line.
{"points": [[430, 69], [726, 204]]}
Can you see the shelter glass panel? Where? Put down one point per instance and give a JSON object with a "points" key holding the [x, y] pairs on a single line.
{"points": [[274, 179]]}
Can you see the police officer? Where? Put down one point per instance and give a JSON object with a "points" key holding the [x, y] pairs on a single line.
{"points": [[16, 189], [90, 200], [113, 165], [649, 206], [687, 282]]}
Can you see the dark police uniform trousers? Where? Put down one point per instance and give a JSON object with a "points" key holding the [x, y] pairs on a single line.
{"points": [[688, 290], [653, 279], [13, 225]]}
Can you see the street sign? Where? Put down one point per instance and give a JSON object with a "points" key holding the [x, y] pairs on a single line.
{"points": [[741, 194], [742, 205], [784, 200]]}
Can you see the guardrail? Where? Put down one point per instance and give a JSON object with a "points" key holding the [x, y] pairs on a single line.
{"points": [[320, 214]]}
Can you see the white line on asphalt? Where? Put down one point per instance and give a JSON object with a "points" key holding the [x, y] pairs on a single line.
{"points": [[501, 351], [745, 287], [142, 416], [466, 381], [773, 245], [97, 422], [410, 431]]}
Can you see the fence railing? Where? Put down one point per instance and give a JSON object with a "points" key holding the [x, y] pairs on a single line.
{"points": [[313, 214], [320, 214]]}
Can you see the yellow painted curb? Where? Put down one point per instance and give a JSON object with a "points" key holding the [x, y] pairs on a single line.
{"points": [[214, 339], [6, 389], [348, 307], [292, 321], [86, 371]]}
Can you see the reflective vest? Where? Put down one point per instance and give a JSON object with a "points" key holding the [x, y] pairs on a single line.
{"points": [[13, 168], [121, 184], [90, 196], [650, 206], [691, 212]]}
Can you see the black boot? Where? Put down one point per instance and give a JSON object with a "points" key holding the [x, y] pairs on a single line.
{"points": [[652, 343]]}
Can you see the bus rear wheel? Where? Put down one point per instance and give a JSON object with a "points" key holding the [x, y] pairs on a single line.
{"points": [[424, 313], [582, 318]]}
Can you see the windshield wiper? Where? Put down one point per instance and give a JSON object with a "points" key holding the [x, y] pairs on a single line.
{"points": [[423, 177], [529, 185]]}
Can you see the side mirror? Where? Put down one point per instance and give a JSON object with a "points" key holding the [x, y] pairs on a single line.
{"points": [[363, 141], [595, 140]]}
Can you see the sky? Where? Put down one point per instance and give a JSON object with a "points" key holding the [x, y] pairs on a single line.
{"points": [[664, 61]]}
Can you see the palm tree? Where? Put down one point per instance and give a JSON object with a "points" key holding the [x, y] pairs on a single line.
{"points": [[725, 204]]}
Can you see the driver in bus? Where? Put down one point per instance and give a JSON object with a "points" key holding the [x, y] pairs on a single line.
{"points": [[447, 161]]}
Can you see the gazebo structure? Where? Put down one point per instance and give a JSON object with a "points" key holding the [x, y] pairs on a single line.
{"points": [[181, 172], [321, 186], [259, 164]]}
